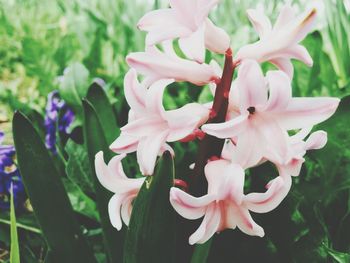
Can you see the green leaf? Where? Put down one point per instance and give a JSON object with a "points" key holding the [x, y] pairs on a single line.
{"points": [[338, 256], [95, 142], [47, 195], [14, 256], [151, 232], [81, 202], [78, 167], [24, 221], [99, 100], [74, 85], [201, 252]]}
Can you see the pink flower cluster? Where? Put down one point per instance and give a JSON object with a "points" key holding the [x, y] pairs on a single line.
{"points": [[260, 114]]}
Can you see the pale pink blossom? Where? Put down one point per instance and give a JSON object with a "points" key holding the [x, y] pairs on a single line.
{"points": [[155, 65], [297, 150], [188, 21], [299, 147], [150, 126], [266, 111], [280, 43], [125, 189], [225, 205]]}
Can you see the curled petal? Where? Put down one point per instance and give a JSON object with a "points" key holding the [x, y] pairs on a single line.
{"points": [[251, 85], [266, 202], [261, 23], [208, 227], [112, 177], [305, 112], [148, 150], [154, 97], [114, 207], [225, 179], [279, 89], [193, 45], [162, 34], [204, 7], [188, 206], [302, 25], [178, 132], [286, 15], [154, 19], [299, 136], [127, 208], [280, 43], [145, 126], [216, 39], [285, 65], [107, 179], [183, 121], [273, 140], [184, 11], [115, 166], [162, 25], [135, 94], [293, 168], [246, 223], [125, 143], [248, 151], [317, 140], [168, 49], [227, 129], [298, 52], [158, 65]]}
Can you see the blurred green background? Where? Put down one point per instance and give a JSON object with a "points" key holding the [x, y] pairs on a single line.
{"points": [[40, 38]]}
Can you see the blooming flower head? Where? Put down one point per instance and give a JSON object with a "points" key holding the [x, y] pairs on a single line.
{"points": [[266, 111], [299, 147], [150, 125], [125, 189], [58, 116], [280, 43], [255, 115], [9, 175], [188, 21], [226, 205]]}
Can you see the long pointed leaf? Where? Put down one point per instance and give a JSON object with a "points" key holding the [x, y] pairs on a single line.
{"points": [[98, 98], [47, 195], [14, 256], [151, 233], [95, 142]]}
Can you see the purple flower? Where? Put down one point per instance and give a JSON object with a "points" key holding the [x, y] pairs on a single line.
{"points": [[54, 106], [9, 174]]}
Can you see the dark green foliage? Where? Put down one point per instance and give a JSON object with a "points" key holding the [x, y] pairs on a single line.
{"points": [[99, 100], [95, 142], [151, 235], [48, 196]]}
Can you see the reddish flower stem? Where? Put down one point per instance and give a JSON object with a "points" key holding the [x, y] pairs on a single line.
{"points": [[210, 145]]}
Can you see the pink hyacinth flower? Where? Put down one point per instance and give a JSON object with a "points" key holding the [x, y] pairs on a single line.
{"points": [[299, 147], [266, 112], [150, 126], [188, 21], [125, 189], [225, 206], [280, 43], [156, 65]]}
